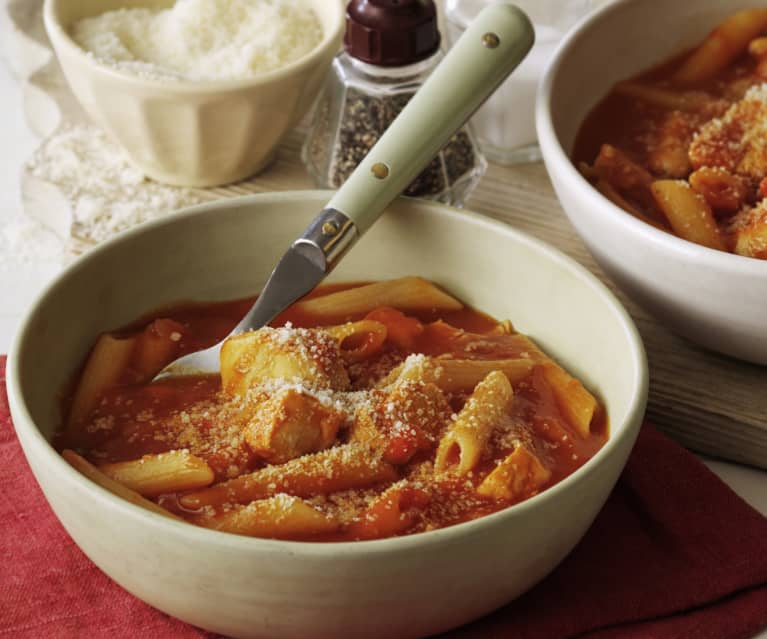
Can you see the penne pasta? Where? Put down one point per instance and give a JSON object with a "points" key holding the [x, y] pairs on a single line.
{"points": [[406, 294], [607, 189], [106, 364], [392, 513], [725, 43], [461, 447], [358, 340], [162, 473], [520, 475], [107, 483], [626, 176], [401, 330], [156, 346], [688, 213], [339, 468], [749, 231], [686, 101], [576, 404], [456, 375], [279, 517]]}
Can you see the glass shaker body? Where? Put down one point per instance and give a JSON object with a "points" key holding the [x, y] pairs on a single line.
{"points": [[357, 104], [505, 124]]}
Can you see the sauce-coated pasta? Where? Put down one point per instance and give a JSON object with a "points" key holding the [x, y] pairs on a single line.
{"points": [[681, 146], [369, 422]]}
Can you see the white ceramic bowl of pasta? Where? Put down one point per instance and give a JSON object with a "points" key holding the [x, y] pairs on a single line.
{"points": [[401, 587], [716, 299], [187, 132]]}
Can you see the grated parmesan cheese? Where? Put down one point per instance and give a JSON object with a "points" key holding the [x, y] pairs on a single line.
{"points": [[202, 39]]}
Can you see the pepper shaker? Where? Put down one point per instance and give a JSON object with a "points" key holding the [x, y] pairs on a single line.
{"points": [[390, 48]]}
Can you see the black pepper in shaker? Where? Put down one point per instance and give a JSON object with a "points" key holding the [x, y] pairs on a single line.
{"points": [[391, 47]]}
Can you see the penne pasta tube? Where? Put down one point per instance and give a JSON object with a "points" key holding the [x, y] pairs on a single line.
{"points": [[156, 346], [627, 177], [95, 475], [406, 294], [688, 213], [675, 100], [461, 447], [576, 404], [504, 327], [359, 340], [402, 331], [338, 468], [158, 474], [725, 43], [607, 189], [106, 364], [392, 513], [279, 517], [520, 475], [456, 375], [749, 232]]}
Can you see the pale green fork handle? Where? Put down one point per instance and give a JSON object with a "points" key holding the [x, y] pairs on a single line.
{"points": [[491, 47]]}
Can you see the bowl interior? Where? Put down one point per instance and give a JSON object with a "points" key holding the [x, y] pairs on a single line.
{"points": [[226, 250]]}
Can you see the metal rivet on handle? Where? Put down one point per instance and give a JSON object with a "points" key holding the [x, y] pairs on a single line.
{"points": [[329, 228], [491, 40], [380, 170]]}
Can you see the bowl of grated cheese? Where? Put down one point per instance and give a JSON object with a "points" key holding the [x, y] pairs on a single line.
{"points": [[198, 92]]}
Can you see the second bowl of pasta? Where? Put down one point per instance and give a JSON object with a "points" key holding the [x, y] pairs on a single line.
{"points": [[424, 434], [657, 164]]}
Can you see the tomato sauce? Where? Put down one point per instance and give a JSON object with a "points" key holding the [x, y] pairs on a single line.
{"points": [[135, 419]]}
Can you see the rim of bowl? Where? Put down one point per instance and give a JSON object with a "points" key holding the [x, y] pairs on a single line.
{"points": [[558, 161], [631, 423], [59, 36]]}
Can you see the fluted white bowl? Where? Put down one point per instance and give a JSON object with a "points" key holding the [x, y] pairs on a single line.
{"points": [[410, 586], [192, 133]]}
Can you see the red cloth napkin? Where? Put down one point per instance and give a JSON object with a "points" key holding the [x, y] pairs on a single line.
{"points": [[673, 554]]}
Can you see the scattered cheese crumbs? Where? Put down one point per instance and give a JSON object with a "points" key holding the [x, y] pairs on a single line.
{"points": [[202, 39], [738, 140]]}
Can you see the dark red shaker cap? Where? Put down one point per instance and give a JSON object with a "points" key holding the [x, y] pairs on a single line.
{"points": [[391, 32]]}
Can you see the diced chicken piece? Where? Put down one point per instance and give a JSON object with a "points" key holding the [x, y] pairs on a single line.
{"points": [[518, 476], [737, 141], [748, 231], [668, 157], [403, 421], [302, 355], [290, 424]]}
